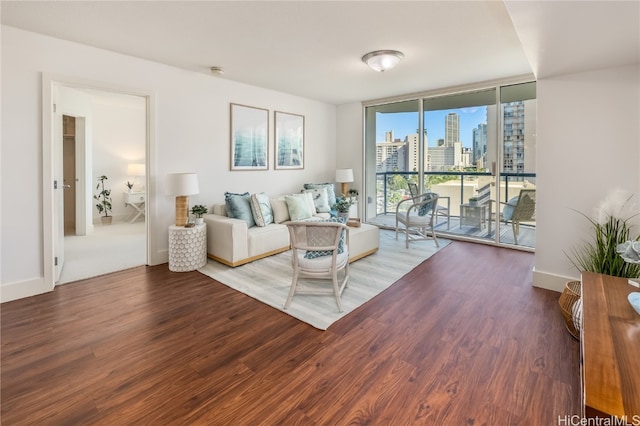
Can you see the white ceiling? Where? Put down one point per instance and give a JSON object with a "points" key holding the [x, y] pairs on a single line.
{"points": [[313, 48]]}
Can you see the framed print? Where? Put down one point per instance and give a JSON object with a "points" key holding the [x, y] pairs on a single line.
{"points": [[289, 141], [249, 138]]}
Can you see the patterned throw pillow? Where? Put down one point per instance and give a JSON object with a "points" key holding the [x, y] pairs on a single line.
{"points": [[239, 207], [331, 192], [320, 199], [313, 254], [298, 206], [261, 209], [426, 207]]}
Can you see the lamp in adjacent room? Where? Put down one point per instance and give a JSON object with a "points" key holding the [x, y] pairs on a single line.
{"points": [[382, 60], [181, 185], [136, 170], [344, 176]]}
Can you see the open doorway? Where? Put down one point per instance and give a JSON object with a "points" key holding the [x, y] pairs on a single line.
{"points": [[101, 133]]}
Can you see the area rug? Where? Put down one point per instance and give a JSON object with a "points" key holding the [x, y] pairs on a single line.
{"points": [[268, 280]]}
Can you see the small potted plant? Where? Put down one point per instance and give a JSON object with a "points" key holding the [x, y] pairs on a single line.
{"points": [[342, 205], [198, 210], [129, 185], [353, 194], [104, 201]]}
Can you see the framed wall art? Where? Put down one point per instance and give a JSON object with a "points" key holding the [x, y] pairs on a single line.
{"points": [[289, 132], [249, 138]]}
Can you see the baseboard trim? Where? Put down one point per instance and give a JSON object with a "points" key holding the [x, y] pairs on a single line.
{"points": [[22, 289], [550, 281]]}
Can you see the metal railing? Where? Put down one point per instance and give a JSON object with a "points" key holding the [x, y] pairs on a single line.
{"points": [[385, 178]]}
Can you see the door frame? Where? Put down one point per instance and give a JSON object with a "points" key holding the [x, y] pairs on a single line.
{"points": [[49, 82]]}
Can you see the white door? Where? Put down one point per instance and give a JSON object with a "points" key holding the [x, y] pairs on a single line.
{"points": [[58, 195]]}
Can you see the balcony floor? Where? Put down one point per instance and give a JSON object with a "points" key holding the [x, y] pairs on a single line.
{"points": [[527, 237]]}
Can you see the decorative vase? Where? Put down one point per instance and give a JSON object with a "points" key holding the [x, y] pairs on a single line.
{"points": [[199, 220], [343, 214]]}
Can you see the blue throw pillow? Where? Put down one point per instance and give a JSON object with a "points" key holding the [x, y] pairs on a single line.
{"points": [[313, 254], [239, 207], [507, 211], [426, 207]]}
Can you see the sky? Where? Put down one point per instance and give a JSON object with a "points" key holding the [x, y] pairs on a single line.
{"points": [[406, 123]]}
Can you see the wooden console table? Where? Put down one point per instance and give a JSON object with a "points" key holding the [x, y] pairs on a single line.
{"points": [[610, 339]]}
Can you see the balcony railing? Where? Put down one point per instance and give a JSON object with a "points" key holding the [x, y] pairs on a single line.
{"points": [[457, 187]]}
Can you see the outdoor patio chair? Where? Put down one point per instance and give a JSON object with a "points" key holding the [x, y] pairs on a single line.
{"points": [[520, 209], [418, 218], [320, 251], [441, 211]]}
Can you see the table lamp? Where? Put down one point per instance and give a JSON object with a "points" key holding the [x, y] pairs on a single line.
{"points": [[181, 185], [135, 170], [344, 176]]}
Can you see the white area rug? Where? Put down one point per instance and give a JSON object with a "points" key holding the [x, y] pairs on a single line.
{"points": [[268, 280]]}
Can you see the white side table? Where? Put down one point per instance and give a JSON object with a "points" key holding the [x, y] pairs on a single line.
{"points": [[135, 200], [187, 248]]}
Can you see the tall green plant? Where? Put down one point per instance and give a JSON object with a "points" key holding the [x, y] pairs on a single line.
{"points": [[611, 228], [103, 197]]}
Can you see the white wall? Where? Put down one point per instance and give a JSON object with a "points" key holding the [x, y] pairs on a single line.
{"points": [[588, 144], [191, 134]]}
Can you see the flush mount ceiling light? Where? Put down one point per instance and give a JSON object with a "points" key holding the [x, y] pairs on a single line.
{"points": [[382, 60], [217, 70]]}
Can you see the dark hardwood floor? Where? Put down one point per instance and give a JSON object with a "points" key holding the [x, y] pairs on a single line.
{"points": [[463, 339]]}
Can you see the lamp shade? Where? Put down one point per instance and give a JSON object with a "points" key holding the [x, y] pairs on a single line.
{"points": [[382, 60], [182, 184], [344, 175], [136, 169]]}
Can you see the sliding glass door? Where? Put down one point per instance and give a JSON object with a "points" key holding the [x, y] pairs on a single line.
{"points": [[475, 149]]}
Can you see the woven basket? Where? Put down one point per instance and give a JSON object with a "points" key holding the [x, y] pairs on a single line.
{"points": [[567, 299]]}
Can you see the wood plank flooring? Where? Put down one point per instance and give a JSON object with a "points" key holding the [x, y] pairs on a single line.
{"points": [[462, 339]]}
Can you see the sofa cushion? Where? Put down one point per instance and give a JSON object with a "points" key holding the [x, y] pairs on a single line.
{"points": [[239, 207], [331, 192], [298, 206], [320, 199], [279, 209], [261, 209]]}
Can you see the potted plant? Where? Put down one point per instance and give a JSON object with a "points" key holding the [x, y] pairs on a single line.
{"points": [[198, 210], [104, 200], [611, 230], [129, 185], [353, 194], [342, 205]]}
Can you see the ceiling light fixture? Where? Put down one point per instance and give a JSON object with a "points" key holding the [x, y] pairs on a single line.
{"points": [[382, 60], [217, 70]]}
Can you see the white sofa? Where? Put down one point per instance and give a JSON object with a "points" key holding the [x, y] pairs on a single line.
{"points": [[233, 242]]}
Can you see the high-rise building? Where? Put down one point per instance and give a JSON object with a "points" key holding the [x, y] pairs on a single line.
{"points": [[479, 153], [390, 156], [517, 124], [451, 129]]}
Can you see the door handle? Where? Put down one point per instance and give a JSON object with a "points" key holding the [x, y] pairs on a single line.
{"points": [[66, 186]]}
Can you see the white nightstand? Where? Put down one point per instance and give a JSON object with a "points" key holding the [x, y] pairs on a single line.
{"points": [[135, 200], [187, 248]]}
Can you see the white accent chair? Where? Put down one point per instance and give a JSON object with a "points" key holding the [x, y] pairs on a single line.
{"points": [[440, 209], [315, 256], [418, 218]]}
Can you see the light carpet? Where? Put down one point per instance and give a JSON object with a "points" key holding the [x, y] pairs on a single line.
{"points": [[269, 280]]}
